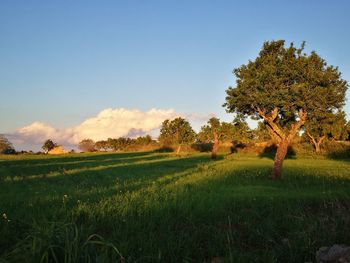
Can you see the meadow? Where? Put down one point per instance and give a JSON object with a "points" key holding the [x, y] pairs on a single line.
{"points": [[157, 207]]}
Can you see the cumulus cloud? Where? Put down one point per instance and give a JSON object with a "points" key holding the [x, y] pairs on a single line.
{"points": [[113, 123], [35, 134], [109, 123]]}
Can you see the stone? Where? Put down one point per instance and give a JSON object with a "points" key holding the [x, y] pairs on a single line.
{"points": [[334, 254]]}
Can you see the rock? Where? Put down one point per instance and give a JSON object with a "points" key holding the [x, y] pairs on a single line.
{"points": [[333, 254]]}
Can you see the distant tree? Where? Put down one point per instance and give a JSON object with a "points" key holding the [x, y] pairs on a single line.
{"points": [[48, 145], [6, 146], [177, 131], [143, 140], [215, 132], [240, 130], [102, 145], [322, 125], [282, 86], [212, 132], [260, 133], [87, 145]]}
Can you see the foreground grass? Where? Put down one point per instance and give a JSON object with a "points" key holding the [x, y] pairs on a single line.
{"points": [[152, 207]]}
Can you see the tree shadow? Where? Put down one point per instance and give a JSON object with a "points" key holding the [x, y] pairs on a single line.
{"points": [[202, 147], [34, 167], [107, 177], [237, 145], [341, 152], [270, 152]]}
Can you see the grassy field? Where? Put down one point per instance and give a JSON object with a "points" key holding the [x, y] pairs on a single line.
{"points": [[156, 207]]}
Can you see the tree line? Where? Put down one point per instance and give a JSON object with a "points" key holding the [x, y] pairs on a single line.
{"points": [[178, 133]]}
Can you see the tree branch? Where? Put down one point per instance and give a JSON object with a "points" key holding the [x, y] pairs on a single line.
{"points": [[296, 126], [311, 138], [270, 121]]}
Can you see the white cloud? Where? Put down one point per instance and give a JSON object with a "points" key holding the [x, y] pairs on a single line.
{"points": [[109, 123], [114, 123], [35, 134]]}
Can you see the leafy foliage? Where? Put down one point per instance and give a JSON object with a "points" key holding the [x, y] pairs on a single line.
{"points": [[87, 145], [48, 145], [227, 132], [287, 79], [122, 143], [6, 146], [177, 131], [325, 125], [260, 133]]}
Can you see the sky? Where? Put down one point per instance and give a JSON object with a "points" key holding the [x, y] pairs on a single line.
{"points": [[70, 69]]}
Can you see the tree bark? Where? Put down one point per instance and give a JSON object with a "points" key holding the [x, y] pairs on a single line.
{"points": [[215, 146], [318, 145], [178, 149], [281, 153]]}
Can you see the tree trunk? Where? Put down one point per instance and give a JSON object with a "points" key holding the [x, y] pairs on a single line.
{"points": [[178, 149], [281, 153], [317, 147], [215, 148], [283, 139], [318, 144], [315, 142]]}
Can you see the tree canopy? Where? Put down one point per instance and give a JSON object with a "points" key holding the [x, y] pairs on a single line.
{"points": [[325, 125], [284, 86], [87, 145], [177, 131], [48, 145], [6, 146]]}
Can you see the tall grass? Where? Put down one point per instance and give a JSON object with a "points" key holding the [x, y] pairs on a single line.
{"points": [[156, 207]]}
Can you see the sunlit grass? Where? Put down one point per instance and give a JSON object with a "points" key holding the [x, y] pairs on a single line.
{"points": [[150, 207]]}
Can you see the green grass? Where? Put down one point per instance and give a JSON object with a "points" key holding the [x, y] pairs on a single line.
{"points": [[156, 207]]}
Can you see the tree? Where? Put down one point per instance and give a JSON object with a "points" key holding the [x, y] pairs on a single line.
{"points": [[143, 140], [212, 132], [177, 131], [48, 145], [322, 125], [282, 86], [216, 132], [87, 145], [101, 145], [6, 146]]}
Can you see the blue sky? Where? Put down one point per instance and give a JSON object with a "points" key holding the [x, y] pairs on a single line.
{"points": [[62, 62]]}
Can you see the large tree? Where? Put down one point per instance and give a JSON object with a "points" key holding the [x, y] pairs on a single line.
{"points": [[177, 131], [282, 86], [6, 146]]}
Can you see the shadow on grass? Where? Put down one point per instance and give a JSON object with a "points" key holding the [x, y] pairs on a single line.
{"points": [[340, 154], [270, 152], [28, 168], [105, 176]]}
